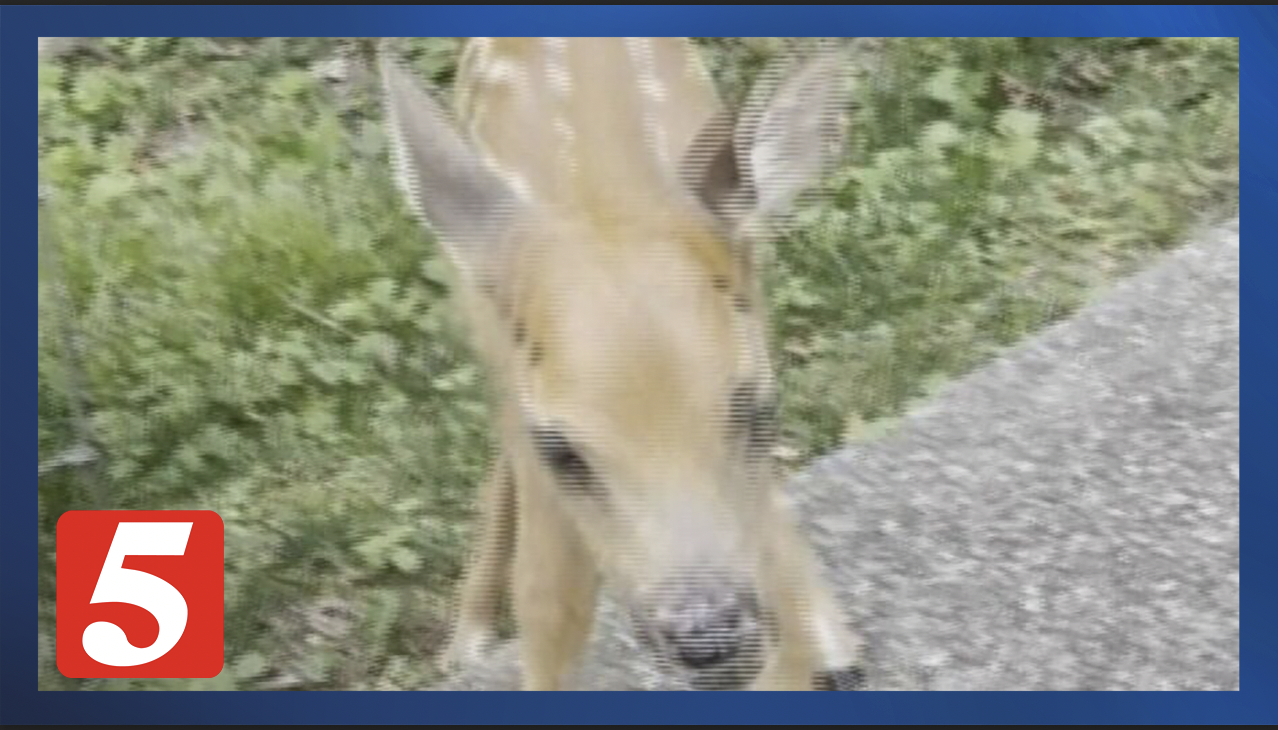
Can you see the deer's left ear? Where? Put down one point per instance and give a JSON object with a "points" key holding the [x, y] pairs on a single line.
{"points": [[789, 132]]}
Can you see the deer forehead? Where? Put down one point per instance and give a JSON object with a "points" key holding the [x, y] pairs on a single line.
{"points": [[645, 324]]}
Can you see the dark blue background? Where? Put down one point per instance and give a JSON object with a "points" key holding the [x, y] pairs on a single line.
{"points": [[19, 699]]}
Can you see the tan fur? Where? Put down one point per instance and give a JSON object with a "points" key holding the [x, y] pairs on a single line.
{"points": [[624, 312]]}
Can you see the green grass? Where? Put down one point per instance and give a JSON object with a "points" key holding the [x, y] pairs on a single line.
{"points": [[263, 331]]}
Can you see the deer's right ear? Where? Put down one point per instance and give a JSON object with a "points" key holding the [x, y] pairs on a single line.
{"points": [[444, 178]]}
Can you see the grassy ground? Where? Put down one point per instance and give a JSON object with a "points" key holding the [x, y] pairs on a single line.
{"points": [[260, 329]]}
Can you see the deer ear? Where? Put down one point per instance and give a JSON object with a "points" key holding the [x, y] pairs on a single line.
{"points": [[711, 169], [792, 136], [788, 133], [444, 179]]}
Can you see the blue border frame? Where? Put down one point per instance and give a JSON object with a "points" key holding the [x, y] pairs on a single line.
{"points": [[21, 702]]}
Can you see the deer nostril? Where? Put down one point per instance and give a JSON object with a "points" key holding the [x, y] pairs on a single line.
{"points": [[698, 652], [700, 633]]}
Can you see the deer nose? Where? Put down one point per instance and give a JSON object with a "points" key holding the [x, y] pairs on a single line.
{"points": [[704, 621]]}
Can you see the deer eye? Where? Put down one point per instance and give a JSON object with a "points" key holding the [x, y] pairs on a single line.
{"points": [[753, 416], [565, 461]]}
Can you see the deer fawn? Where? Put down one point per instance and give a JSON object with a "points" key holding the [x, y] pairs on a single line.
{"points": [[601, 208]]}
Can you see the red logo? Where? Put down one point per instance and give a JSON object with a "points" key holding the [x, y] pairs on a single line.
{"points": [[140, 594]]}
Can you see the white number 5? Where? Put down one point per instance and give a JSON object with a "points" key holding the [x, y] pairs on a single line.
{"points": [[105, 642]]}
